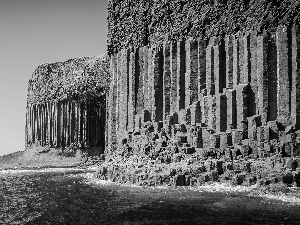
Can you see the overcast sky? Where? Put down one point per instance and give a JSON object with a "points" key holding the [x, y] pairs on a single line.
{"points": [[33, 32]]}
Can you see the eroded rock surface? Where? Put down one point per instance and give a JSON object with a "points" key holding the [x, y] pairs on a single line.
{"points": [[66, 105]]}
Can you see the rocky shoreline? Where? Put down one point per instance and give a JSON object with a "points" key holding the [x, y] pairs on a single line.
{"points": [[189, 172], [154, 158]]}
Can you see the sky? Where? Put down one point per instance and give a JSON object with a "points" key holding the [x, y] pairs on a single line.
{"points": [[33, 32]]}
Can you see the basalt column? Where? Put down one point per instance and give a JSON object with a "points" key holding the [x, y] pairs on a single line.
{"points": [[201, 68], [262, 78], [229, 61], [158, 85], [191, 74], [112, 129], [210, 78], [173, 70], [151, 91], [59, 124], [131, 92], [123, 95], [219, 66], [272, 78], [181, 68], [283, 76], [295, 89], [252, 67], [236, 61], [166, 80]]}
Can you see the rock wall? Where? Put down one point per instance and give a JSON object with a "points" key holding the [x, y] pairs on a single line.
{"points": [[66, 104], [134, 24], [233, 93]]}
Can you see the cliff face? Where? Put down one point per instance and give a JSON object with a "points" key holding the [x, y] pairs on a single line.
{"points": [[229, 85], [142, 22], [66, 104]]}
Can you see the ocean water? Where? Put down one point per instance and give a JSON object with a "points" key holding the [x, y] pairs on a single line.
{"points": [[62, 196]]}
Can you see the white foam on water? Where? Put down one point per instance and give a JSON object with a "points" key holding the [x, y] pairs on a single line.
{"points": [[287, 198], [91, 180], [224, 187]]}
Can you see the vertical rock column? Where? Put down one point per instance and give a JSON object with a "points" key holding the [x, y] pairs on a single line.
{"points": [[148, 87], [66, 122], [143, 88], [84, 124], [229, 61], [262, 78], [29, 124], [26, 127], [231, 110], [295, 89], [205, 109], [219, 58], [158, 85], [151, 91], [191, 74], [131, 94], [210, 78], [221, 113], [112, 139], [49, 127], [123, 94], [166, 80], [80, 122], [119, 92], [76, 124], [58, 122], [272, 78], [242, 59], [201, 67], [253, 76], [242, 107], [181, 54], [283, 76], [236, 61], [55, 115], [139, 81], [39, 123], [174, 107], [246, 54], [212, 107], [69, 128]]}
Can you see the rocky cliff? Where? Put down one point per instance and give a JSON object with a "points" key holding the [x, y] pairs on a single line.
{"points": [[204, 83], [66, 104], [151, 22]]}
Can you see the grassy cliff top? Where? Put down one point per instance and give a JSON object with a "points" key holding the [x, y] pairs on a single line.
{"points": [[141, 22], [82, 78]]}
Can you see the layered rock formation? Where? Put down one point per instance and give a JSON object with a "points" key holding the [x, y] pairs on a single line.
{"points": [[217, 91], [66, 104], [216, 80]]}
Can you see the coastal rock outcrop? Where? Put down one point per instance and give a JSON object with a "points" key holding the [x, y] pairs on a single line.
{"points": [[216, 81], [66, 104]]}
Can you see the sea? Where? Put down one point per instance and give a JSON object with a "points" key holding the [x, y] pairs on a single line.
{"points": [[74, 196]]}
